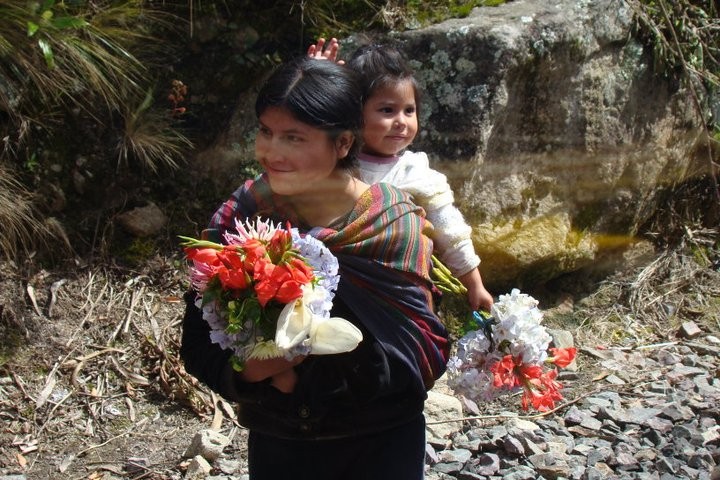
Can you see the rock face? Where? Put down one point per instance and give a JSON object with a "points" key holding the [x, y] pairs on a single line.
{"points": [[553, 129], [551, 126]]}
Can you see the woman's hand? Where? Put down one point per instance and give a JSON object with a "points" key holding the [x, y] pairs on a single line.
{"points": [[329, 52], [285, 381], [280, 371]]}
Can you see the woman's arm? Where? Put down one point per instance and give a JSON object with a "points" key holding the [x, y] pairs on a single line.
{"points": [[280, 371]]}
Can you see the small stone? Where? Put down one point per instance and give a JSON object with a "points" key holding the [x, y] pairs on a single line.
{"points": [[143, 221], [459, 455], [591, 423], [487, 464], [198, 469], [615, 380], [513, 446], [689, 329], [136, 465], [207, 443]]}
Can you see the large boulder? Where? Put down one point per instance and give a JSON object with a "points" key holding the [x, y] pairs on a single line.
{"points": [[553, 129], [551, 125]]}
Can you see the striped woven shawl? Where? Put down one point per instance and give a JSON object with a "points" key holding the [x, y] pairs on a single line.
{"points": [[385, 260]]}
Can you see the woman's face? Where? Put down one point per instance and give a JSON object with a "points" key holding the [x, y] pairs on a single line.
{"points": [[298, 158]]}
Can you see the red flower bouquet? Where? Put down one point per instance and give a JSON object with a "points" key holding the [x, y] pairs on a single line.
{"points": [[267, 292]]}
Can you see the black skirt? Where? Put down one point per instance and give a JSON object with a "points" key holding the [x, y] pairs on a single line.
{"points": [[396, 453]]}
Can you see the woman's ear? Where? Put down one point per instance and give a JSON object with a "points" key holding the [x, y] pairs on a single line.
{"points": [[343, 143]]}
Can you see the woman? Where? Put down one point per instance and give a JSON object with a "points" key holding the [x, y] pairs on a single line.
{"points": [[355, 415]]}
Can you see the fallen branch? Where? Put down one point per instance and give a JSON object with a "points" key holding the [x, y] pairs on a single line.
{"points": [[81, 362], [126, 432]]}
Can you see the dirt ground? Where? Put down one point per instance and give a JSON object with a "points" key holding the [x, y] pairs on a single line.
{"points": [[91, 386]]}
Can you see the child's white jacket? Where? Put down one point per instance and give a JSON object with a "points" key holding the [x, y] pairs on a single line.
{"points": [[429, 188]]}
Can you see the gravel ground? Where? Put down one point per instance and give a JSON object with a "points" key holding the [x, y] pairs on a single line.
{"points": [[91, 388]]}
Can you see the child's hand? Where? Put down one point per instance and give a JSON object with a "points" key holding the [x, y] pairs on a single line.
{"points": [[480, 299], [278, 369], [320, 51], [478, 296]]}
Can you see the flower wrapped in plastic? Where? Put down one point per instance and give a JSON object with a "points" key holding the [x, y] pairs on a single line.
{"points": [[267, 292], [506, 354]]}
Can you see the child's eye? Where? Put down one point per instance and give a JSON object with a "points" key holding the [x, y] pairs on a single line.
{"points": [[264, 131], [385, 110], [410, 110]]}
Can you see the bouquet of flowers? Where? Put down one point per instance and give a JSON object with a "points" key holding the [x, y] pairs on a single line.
{"points": [[506, 354], [267, 292]]}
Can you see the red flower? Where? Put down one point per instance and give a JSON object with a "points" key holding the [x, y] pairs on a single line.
{"points": [[232, 273], [208, 256], [539, 387], [542, 392], [562, 357], [281, 282], [279, 244], [530, 372], [297, 274], [254, 250], [504, 373]]}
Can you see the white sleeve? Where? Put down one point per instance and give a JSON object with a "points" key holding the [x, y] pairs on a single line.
{"points": [[412, 173], [431, 190], [452, 238]]}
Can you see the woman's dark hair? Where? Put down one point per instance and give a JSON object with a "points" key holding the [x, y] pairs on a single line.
{"points": [[382, 65], [319, 93]]}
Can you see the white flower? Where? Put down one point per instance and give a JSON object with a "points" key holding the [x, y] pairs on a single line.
{"points": [[293, 325], [262, 230], [264, 350], [333, 335], [299, 327], [517, 332]]}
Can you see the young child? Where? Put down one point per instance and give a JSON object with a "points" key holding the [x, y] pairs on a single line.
{"points": [[390, 114]]}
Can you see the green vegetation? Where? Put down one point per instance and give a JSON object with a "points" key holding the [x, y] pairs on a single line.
{"points": [[71, 73], [684, 36], [102, 100]]}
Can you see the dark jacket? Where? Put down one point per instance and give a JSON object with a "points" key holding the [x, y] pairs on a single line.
{"points": [[384, 289], [347, 394]]}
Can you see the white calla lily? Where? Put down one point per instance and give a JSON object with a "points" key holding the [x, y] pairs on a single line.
{"points": [[293, 325], [298, 325], [333, 335]]}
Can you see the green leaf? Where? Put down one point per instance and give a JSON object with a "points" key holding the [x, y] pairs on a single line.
{"points": [[69, 22], [32, 28], [147, 102], [47, 52]]}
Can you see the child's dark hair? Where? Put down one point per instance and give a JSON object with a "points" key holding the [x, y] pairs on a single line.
{"points": [[319, 93], [382, 65]]}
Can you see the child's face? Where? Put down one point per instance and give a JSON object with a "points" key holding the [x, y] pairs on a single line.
{"points": [[297, 157], [390, 116]]}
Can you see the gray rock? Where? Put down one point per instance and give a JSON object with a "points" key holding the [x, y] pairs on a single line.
{"points": [[664, 428], [581, 68], [207, 443], [143, 221]]}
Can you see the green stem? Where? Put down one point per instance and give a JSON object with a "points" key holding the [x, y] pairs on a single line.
{"points": [[195, 243]]}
